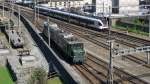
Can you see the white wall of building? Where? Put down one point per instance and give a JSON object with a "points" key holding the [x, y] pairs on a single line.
{"points": [[103, 6], [128, 6], [65, 4], [125, 6]]}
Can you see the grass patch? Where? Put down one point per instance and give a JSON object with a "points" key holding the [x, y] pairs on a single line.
{"points": [[1, 34], [55, 80], [5, 77], [133, 30]]}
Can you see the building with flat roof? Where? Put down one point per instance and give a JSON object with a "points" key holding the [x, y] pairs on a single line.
{"points": [[99, 6], [102, 6], [125, 6], [68, 3], [128, 6], [116, 6]]}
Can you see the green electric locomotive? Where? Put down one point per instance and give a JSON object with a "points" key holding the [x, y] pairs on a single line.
{"points": [[72, 47]]}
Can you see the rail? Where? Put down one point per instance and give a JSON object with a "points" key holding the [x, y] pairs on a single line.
{"points": [[48, 53]]}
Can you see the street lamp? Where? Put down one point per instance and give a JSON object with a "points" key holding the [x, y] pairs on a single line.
{"points": [[50, 3]]}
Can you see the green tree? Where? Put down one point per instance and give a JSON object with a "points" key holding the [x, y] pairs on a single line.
{"points": [[39, 76]]}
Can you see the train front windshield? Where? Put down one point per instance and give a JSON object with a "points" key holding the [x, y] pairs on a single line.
{"points": [[78, 49], [105, 22], [77, 45], [99, 24]]}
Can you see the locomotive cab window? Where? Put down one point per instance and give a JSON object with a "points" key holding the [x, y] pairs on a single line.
{"points": [[77, 46]]}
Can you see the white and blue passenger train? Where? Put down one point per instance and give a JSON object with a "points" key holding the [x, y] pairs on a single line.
{"points": [[73, 18]]}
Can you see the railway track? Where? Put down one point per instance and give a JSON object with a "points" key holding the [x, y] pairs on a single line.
{"points": [[87, 34], [95, 71], [120, 76]]}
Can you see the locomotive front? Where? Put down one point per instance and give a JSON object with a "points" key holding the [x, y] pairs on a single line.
{"points": [[77, 52]]}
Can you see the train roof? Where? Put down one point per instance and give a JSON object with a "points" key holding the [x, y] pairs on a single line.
{"points": [[71, 14], [74, 40], [70, 38], [52, 26], [67, 35], [50, 23]]}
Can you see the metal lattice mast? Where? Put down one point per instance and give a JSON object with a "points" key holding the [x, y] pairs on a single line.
{"points": [[38, 12], [9, 21], [149, 26], [49, 39], [3, 8], [19, 19], [110, 65], [35, 14]]}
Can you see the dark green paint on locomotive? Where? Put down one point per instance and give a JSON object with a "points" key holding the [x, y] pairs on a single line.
{"points": [[72, 50]]}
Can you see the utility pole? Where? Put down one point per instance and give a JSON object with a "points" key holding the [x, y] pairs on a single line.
{"points": [[49, 37], [110, 71], [19, 19], [9, 29], [103, 7], [68, 5], [38, 12], [35, 15], [34, 12], [148, 57], [149, 25], [3, 8]]}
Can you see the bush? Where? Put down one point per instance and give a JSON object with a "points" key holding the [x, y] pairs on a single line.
{"points": [[131, 29], [39, 76]]}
